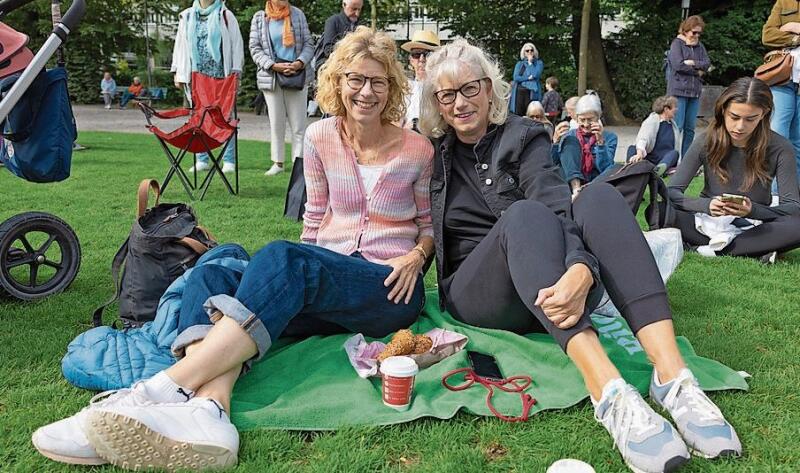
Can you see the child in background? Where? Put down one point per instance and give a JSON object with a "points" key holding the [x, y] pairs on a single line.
{"points": [[552, 103]]}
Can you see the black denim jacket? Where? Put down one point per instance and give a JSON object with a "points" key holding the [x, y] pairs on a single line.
{"points": [[517, 165]]}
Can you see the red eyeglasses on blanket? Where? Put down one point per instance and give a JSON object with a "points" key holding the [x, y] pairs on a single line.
{"points": [[513, 384]]}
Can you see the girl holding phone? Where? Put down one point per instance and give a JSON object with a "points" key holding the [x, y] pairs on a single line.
{"points": [[741, 156]]}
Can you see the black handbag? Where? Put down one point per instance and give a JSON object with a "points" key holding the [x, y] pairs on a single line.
{"points": [[631, 180], [296, 193], [296, 82]]}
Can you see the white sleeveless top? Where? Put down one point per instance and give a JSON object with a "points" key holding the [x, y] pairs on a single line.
{"points": [[369, 176]]}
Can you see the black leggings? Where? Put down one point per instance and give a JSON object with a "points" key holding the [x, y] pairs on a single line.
{"points": [[781, 234], [497, 284]]}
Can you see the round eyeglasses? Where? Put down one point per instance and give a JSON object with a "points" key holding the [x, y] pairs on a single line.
{"points": [[356, 81]]}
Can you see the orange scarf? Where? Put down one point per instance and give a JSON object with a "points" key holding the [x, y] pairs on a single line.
{"points": [[284, 14]]}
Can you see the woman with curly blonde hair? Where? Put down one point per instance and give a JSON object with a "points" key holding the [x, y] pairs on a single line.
{"points": [[366, 237]]}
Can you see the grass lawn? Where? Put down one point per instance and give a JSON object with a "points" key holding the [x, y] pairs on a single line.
{"points": [[736, 311]]}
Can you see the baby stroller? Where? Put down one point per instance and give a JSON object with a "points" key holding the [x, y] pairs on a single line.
{"points": [[39, 253]]}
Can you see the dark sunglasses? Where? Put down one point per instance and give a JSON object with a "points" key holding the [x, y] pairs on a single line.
{"points": [[696, 33], [529, 50], [419, 54]]}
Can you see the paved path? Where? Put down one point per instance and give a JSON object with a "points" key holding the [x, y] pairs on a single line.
{"points": [[251, 126]]}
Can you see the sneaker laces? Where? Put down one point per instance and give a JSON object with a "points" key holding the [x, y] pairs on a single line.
{"points": [[629, 415], [685, 385], [109, 398]]}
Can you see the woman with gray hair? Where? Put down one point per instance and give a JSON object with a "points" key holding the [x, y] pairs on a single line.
{"points": [[659, 138], [527, 73], [588, 151], [514, 252]]}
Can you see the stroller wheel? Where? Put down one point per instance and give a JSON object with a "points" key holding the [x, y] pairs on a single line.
{"points": [[39, 256]]}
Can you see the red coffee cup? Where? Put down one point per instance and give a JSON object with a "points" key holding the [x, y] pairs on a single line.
{"points": [[397, 386]]}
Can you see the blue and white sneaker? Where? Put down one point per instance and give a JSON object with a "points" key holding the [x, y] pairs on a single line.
{"points": [[697, 418], [647, 441]]}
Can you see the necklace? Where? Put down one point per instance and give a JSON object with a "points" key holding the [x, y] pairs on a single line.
{"points": [[366, 157]]}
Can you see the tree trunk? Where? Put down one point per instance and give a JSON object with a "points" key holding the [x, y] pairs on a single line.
{"points": [[583, 48], [598, 77], [373, 10]]}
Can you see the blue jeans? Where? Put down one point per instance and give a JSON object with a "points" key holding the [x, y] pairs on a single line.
{"points": [[686, 119], [228, 157], [296, 290], [786, 116], [126, 97], [670, 158], [572, 161]]}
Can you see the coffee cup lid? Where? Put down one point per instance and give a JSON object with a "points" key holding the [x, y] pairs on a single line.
{"points": [[399, 366]]}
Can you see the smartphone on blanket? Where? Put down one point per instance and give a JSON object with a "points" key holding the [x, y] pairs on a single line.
{"points": [[738, 199], [484, 365]]}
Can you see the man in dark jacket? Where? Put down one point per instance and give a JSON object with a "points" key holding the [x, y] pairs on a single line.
{"points": [[336, 26]]}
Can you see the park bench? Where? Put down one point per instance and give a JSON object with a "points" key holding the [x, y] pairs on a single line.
{"points": [[148, 96]]}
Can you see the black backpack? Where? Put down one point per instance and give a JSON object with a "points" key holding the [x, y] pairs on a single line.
{"points": [[164, 242], [631, 180]]}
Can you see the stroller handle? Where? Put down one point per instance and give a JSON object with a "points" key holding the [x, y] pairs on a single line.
{"points": [[74, 15], [70, 20]]}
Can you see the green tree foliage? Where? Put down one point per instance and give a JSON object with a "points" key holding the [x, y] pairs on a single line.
{"points": [[636, 54], [108, 29], [501, 28]]}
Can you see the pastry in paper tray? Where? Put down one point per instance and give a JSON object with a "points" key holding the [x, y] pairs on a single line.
{"points": [[363, 355]]}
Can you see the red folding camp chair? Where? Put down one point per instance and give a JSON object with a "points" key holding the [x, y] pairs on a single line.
{"points": [[212, 123]]}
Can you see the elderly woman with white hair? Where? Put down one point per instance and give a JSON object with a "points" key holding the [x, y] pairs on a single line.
{"points": [[588, 151], [527, 74], [514, 252]]}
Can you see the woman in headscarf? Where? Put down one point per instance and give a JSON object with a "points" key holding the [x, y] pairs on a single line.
{"points": [[208, 41], [282, 47]]}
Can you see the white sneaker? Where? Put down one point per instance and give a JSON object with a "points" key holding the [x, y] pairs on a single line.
{"points": [[275, 169], [65, 441], [647, 441], [200, 166], [698, 419], [195, 435], [228, 168]]}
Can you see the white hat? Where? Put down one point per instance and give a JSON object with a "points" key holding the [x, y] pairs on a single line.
{"points": [[422, 39]]}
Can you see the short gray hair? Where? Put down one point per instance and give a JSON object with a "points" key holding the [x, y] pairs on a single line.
{"points": [[448, 60], [534, 107], [589, 103], [526, 46]]}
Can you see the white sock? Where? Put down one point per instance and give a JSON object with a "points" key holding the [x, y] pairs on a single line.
{"points": [[161, 388]]}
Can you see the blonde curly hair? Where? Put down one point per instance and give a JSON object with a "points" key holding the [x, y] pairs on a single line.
{"points": [[450, 60], [363, 43]]}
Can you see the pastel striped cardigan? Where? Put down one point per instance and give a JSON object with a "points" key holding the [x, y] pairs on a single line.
{"points": [[339, 215]]}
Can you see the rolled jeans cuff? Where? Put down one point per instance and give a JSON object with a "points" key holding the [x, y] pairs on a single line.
{"points": [[234, 310], [193, 334]]}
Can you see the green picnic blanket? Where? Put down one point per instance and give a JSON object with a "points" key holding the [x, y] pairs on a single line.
{"points": [[310, 384]]}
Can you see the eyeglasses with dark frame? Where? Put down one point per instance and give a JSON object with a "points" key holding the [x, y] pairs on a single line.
{"points": [[696, 33], [356, 81], [468, 90], [529, 50], [419, 54]]}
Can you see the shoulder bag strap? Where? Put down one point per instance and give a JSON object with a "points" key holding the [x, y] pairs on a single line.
{"points": [[119, 260], [193, 244], [142, 195]]}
